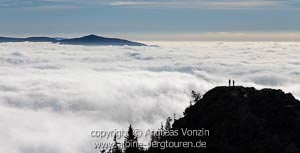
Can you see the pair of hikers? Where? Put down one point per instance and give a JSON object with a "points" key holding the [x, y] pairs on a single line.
{"points": [[233, 82]]}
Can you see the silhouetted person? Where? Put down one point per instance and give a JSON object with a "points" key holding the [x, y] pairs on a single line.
{"points": [[233, 82], [229, 82]]}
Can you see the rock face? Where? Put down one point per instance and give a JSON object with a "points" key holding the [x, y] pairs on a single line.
{"points": [[86, 40], [243, 120]]}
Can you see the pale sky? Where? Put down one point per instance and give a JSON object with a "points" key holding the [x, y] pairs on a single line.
{"points": [[153, 19]]}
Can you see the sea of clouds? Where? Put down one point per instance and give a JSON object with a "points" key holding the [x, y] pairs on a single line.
{"points": [[52, 96]]}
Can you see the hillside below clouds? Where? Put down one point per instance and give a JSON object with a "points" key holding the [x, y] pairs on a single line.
{"points": [[86, 40]]}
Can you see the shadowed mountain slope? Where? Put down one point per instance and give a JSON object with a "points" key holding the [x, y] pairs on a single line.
{"points": [[86, 40], [243, 120], [29, 39], [96, 40]]}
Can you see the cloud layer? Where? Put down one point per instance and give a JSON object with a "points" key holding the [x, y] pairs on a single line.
{"points": [[52, 96]]}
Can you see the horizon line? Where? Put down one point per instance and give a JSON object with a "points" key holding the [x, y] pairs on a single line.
{"points": [[187, 36]]}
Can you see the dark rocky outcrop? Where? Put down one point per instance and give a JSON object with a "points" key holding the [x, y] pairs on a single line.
{"points": [[243, 120]]}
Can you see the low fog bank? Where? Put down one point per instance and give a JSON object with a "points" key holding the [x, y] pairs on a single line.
{"points": [[52, 96]]}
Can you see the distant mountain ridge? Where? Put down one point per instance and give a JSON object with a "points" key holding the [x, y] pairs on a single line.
{"points": [[85, 40]]}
